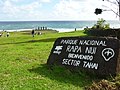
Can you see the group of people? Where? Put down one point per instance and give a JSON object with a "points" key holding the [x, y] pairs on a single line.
{"points": [[33, 33], [7, 34]]}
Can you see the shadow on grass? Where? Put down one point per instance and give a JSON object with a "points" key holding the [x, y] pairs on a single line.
{"points": [[33, 41], [63, 75]]}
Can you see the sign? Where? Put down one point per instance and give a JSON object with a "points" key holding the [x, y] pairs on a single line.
{"points": [[91, 54]]}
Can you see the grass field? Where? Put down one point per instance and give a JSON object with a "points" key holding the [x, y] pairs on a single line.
{"points": [[23, 64]]}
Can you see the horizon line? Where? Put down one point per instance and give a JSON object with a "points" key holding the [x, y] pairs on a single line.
{"points": [[47, 20]]}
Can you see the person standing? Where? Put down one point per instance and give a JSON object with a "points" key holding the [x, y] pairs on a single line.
{"points": [[8, 34], [0, 34], [33, 33], [75, 29]]}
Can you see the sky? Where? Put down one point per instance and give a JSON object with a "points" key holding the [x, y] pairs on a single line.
{"points": [[54, 10]]}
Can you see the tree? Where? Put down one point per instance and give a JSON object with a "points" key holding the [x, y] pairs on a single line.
{"points": [[115, 2], [101, 24], [98, 11]]}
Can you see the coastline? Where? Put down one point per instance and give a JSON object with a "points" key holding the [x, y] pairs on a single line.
{"points": [[60, 26], [60, 30]]}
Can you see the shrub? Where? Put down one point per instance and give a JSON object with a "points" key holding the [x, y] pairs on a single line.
{"points": [[101, 25], [101, 28]]}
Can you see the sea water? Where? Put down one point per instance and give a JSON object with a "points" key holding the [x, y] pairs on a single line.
{"points": [[61, 26]]}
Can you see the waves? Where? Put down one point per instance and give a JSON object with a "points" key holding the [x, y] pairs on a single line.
{"points": [[61, 26]]}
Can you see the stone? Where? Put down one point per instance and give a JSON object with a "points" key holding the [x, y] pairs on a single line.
{"points": [[97, 55]]}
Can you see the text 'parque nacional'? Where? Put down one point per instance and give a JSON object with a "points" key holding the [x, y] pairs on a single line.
{"points": [[93, 54], [84, 42]]}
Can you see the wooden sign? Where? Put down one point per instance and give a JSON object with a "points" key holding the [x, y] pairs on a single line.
{"points": [[91, 54]]}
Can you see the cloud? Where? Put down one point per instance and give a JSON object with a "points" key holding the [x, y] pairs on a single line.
{"points": [[79, 10], [72, 9], [52, 10], [46, 1], [66, 9], [9, 10]]}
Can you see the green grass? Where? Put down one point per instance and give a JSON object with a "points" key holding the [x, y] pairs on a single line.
{"points": [[23, 64]]}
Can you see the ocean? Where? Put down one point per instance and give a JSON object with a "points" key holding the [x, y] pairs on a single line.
{"points": [[61, 26]]}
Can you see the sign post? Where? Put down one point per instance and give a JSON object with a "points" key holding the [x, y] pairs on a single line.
{"points": [[91, 54]]}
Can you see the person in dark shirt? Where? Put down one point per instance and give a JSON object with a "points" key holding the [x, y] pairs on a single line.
{"points": [[33, 33]]}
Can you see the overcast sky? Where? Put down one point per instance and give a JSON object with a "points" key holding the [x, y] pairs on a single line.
{"points": [[44, 10]]}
